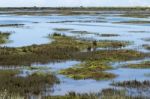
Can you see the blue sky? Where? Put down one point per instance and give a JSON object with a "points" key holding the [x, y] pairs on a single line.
{"points": [[68, 3]]}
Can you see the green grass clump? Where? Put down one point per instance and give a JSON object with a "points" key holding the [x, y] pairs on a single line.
{"points": [[89, 70], [32, 84]]}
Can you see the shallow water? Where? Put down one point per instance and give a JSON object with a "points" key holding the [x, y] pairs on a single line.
{"points": [[35, 33]]}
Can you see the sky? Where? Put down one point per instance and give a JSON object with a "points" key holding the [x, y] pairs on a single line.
{"points": [[72, 3]]}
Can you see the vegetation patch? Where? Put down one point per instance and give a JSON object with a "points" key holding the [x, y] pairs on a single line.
{"points": [[108, 35], [146, 46], [145, 64], [88, 70], [84, 44], [81, 32], [4, 37], [11, 25], [71, 12], [146, 39], [133, 84], [109, 93], [73, 95], [64, 48], [37, 68], [135, 15], [97, 62], [113, 44], [32, 84], [134, 22], [138, 31]]}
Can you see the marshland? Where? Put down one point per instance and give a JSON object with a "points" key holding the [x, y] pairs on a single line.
{"points": [[74, 53]]}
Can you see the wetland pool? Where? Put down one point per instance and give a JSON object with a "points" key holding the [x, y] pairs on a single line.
{"points": [[99, 27]]}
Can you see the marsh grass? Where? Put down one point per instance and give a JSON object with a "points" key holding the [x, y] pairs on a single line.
{"points": [[64, 48], [71, 12], [135, 15], [134, 22], [4, 37], [81, 32], [11, 25], [73, 95], [138, 32], [108, 35], [32, 84], [69, 48], [89, 70], [109, 93], [146, 46], [95, 64], [133, 84], [36, 68], [146, 39], [145, 64]]}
